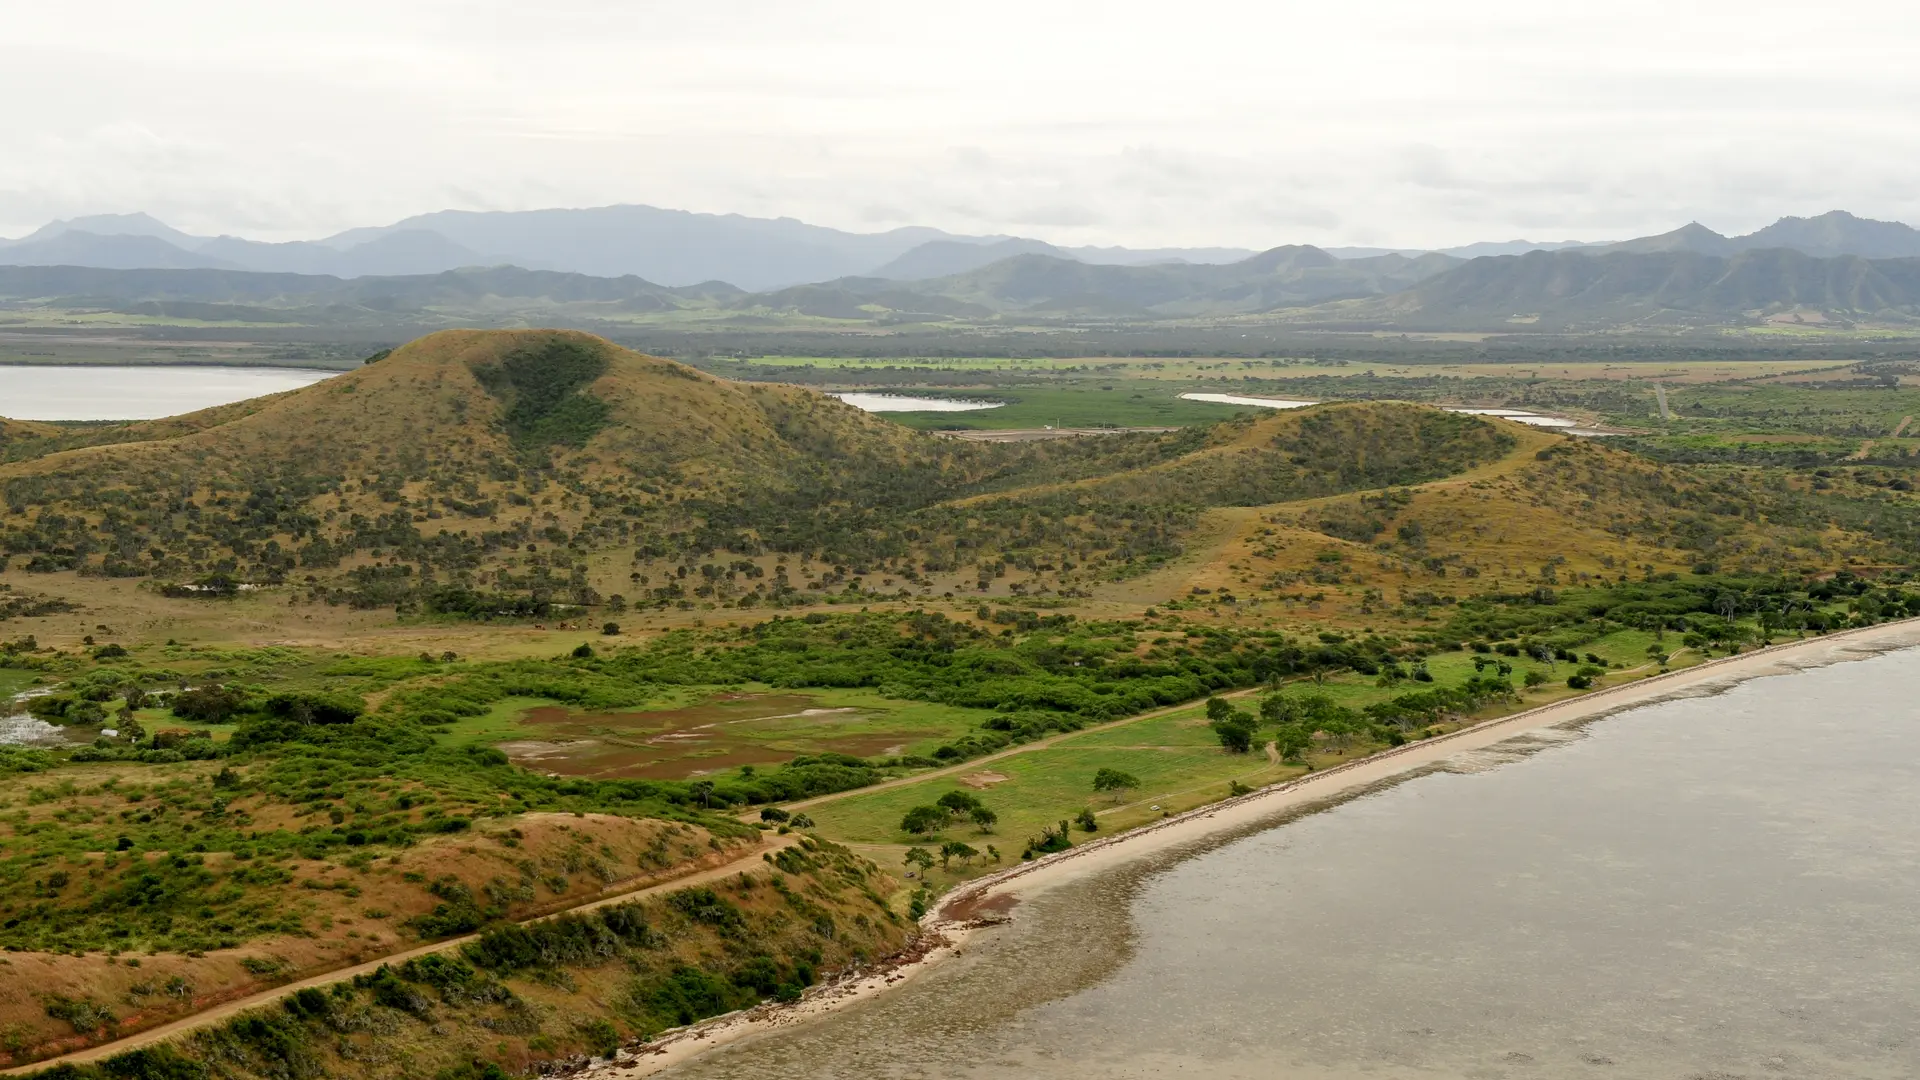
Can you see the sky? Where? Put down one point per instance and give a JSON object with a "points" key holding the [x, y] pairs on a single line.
{"points": [[1205, 122]]}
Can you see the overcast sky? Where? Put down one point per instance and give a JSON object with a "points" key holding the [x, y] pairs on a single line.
{"points": [[1405, 122]]}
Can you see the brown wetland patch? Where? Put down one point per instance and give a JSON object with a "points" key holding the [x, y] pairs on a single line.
{"points": [[981, 781], [721, 732]]}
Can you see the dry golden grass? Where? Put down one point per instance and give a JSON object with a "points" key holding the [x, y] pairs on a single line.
{"points": [[1584, 513], [548, 862], [419, 424]]}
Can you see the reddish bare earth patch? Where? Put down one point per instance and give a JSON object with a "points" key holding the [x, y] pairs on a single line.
{"points": [[981, 781]]}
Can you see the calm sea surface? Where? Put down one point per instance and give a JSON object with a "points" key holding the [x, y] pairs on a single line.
{"points": [[61, 392], [1712, 888]]}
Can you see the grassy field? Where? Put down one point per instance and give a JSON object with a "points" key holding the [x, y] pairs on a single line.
{"points": [[1176, 757], [14, 681], [1185, 367]]}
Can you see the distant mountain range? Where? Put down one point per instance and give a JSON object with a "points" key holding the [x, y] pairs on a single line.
{"points": [[1835, 264], [139, 242], [1575, 290], [1465, 251], [678, 248], [671, 246], [1567, 290], [1042, 287], [1053, 286], [1831, 234]]}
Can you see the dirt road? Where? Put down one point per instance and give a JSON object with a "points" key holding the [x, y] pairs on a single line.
{"points": [[226, 1010]]}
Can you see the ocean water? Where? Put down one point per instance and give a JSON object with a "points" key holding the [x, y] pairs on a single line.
{"points": [[1708, 888]]}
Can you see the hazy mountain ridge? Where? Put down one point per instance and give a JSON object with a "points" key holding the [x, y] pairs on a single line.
{"points": [[678, 248], [1575, 289], [1290, 276], [1045, 285], [1830, 235], [1661, 280], [672, 246], [408, 252]]}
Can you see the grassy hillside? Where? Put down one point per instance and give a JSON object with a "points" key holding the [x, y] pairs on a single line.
{"points": [[456, 446], [505, 461], [25, 437]]}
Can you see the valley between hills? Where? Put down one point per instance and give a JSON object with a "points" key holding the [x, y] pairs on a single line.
{"points": [[516, 696]]}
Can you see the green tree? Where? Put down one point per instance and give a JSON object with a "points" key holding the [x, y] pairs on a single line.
{"points": [[1116, 782], [1086, 820], [922, 820], [954, 849], [1235, 730], [958, 803], [1293, 741], [920, 857], [984, 818], [1279, 709]]}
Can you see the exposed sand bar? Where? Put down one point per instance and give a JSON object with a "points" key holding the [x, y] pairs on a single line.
{"points": [[951, 924]]}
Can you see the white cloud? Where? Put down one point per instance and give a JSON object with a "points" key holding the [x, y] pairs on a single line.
{"points": [[1209, 122]]}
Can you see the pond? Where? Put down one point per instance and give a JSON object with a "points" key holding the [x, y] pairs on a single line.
{"points": [[1241, 399], [137, 392], [1520, 416], [903, 403]]}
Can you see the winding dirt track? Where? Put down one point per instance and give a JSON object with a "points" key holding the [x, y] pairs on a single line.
{"points": [[225, 1010]]}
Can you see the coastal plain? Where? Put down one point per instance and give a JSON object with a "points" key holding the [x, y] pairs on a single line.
{"points": [[514, 697]]}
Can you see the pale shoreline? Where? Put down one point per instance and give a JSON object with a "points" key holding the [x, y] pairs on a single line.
{"points": [[947, 928]]}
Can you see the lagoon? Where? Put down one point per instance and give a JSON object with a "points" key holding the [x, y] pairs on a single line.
{"points": [[867, 402], [141, 392], [1520, 416]]}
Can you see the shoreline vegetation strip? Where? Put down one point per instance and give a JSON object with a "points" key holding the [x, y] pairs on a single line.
{"points": [[943, 933]]}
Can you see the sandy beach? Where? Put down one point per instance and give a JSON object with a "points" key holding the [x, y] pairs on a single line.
{"points": [[980, 903]]}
